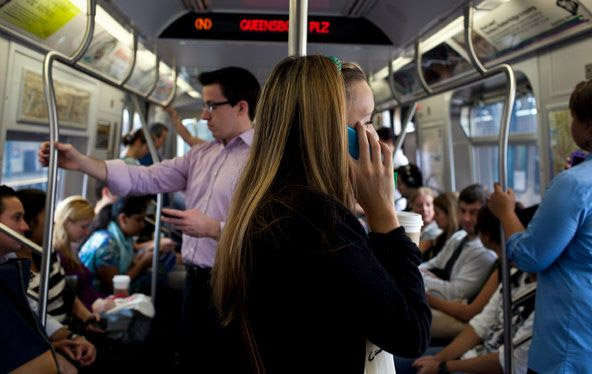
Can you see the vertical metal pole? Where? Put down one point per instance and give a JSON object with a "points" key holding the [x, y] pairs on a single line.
{"points": [[404, 123], [298, 28], [503, 172], [52, 172], [155, 159]]}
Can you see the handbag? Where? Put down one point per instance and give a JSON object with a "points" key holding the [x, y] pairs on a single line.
{"points": [[378, 361]]}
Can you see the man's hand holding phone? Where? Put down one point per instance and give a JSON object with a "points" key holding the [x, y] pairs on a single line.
{"points": [[192, 222]]}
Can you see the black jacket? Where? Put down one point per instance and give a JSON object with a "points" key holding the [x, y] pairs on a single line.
{"points": [[320, 287], [21, 335]]}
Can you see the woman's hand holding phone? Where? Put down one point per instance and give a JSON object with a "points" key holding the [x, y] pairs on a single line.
{"points": [[373, 180]]}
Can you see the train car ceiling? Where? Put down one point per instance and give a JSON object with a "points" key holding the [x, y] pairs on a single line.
{"points": [[391, 20]]}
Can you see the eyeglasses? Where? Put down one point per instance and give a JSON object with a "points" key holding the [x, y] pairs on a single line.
{"points": [[210, 106]]}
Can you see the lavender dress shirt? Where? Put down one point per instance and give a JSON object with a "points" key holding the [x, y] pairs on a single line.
{"points": [[208, 175]]}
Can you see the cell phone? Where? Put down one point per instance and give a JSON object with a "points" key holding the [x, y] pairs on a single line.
{"points": [[352, 142]]}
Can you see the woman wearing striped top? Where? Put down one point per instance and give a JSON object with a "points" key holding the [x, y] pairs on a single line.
{"points": [[62, 303]]}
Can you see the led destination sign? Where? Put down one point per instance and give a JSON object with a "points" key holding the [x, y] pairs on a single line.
{"points": [[266, 27]]}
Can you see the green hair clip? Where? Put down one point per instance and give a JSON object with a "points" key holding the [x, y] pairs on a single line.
{"points": [[337, 61]]}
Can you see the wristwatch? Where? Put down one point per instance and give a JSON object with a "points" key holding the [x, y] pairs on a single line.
{"points": [[443, 368]]}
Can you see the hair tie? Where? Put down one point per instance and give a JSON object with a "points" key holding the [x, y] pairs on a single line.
{"points": [[337, 61]]}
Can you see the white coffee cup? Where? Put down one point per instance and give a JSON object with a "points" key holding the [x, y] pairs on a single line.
{"points": [[412, 224], [121, 285]]}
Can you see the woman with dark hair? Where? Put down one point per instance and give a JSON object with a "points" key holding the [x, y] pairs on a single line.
{"points": [[136, 147], [296, 276], [409, 179], [446, 217], [109, 250], [557, 245]]}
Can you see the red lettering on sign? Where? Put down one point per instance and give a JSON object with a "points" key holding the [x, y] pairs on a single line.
{"points": [[273, 25], [203, 23]]}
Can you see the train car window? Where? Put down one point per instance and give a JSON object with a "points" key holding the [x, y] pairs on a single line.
{"points": [[485, 119], [20, 168], [197, 128], [137, 122], [523, 169], [480, 111], [125, 121]]}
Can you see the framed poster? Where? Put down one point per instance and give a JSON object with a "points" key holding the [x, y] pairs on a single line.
{"points": [[103, 136], [73, 103]]}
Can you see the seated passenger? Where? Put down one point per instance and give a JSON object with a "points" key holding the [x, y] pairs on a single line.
{"points": [[63, 303], [28, 344], [488, 228], [73, 217], [409, 179], [110, 249], [477, 348], [25, 348], [103, 196], [422, 202], [446, 217], [462, 266], [136, 147]]}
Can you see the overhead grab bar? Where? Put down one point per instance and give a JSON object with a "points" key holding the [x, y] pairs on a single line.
{"points": [[391, 82], [418, 62], [20, 238], [503, 173], [157, 77], [130, 71], [50, 98], [171, 97], [155, 159]]}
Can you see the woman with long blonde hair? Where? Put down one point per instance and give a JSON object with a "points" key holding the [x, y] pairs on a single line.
{"points": [[296, 275], [73, 217]]}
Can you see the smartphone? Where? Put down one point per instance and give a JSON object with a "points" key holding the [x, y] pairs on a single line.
{"points": [[352, 142]]}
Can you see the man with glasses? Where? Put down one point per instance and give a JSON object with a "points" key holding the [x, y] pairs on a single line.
{"points": [[207, 174]]}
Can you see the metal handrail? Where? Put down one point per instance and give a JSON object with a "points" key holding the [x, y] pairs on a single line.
{"points": [[298, 28], [422, 80], [130, 71], [156, 78], [403, 134], [20, 238], [157, 214], [391, 81], [171, 97], [503, 172], [52, 178]]}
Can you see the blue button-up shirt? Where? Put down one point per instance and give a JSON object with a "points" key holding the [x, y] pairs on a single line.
{"points": [[558, 246]]}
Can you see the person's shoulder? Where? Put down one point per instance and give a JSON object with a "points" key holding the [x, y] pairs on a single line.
{"points": [[97, 239]]}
